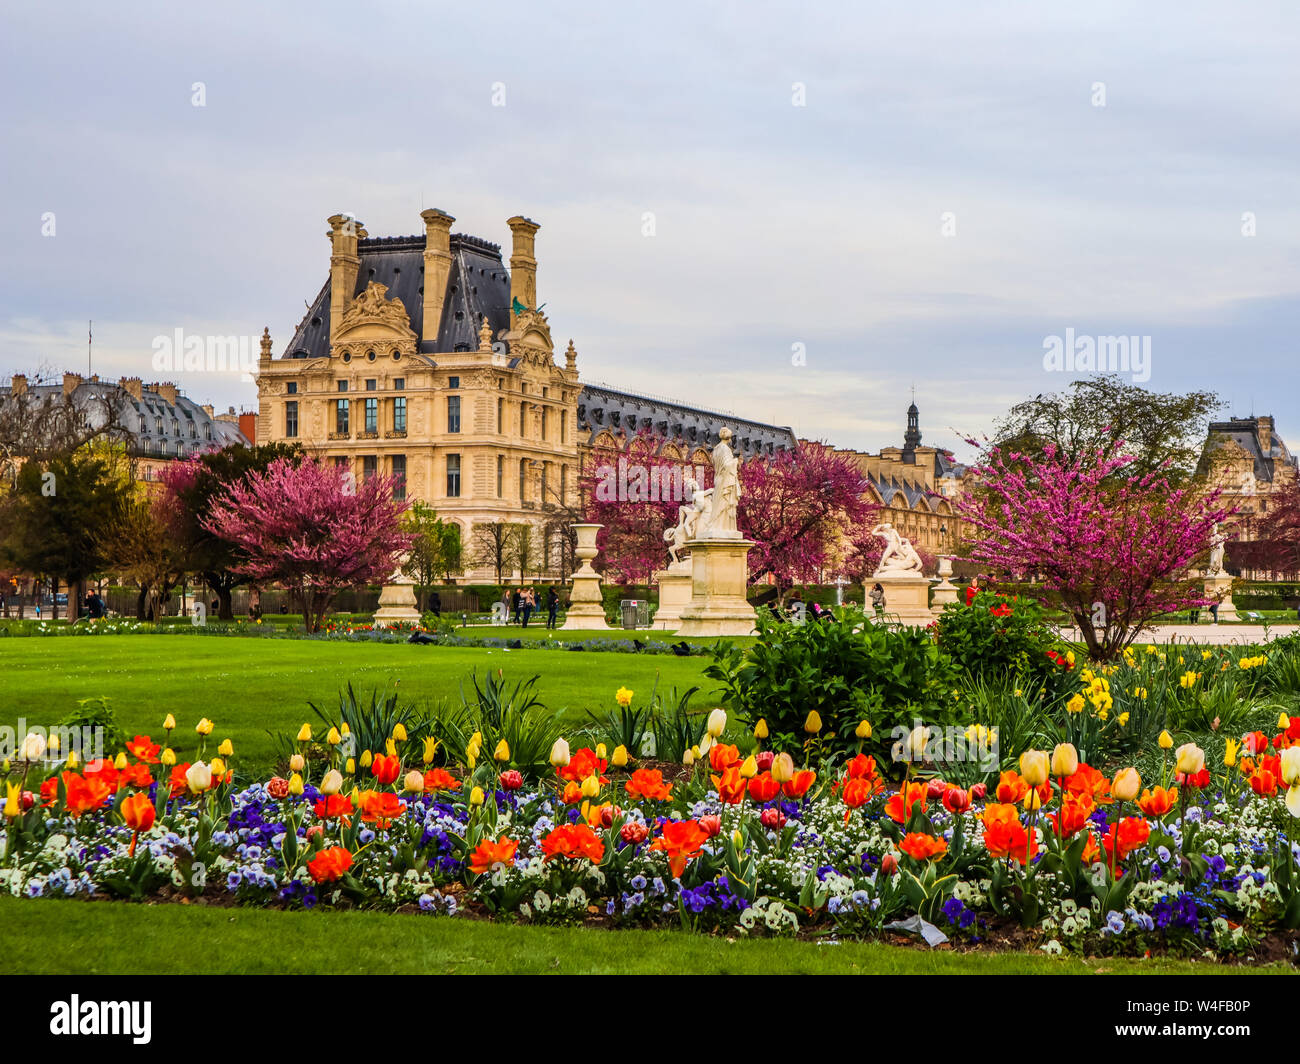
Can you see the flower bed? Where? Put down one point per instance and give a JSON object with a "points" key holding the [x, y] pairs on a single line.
{"points": [[1196, 862]]}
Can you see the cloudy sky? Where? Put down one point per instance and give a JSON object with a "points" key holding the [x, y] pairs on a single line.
{"points": [[920, 195]]}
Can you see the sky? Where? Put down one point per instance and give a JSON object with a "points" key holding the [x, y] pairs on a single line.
{"points": [[796, 212]]}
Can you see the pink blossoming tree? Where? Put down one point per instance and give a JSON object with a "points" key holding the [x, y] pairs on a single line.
{"points": [[312, 529], [1114, 549]]}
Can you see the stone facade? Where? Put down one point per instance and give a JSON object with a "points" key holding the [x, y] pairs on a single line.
{"points": [[1250, 462]]}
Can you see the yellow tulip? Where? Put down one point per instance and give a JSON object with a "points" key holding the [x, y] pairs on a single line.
{"points": [[333, 738], [12, 808], [502, 752], [390, 747], [1033, 800], [601, 752], [304, 734], [413, 783], [590, 787], [863, 730], [53, 743], [399, 732], [119, 762], [476, 796], [345, 729], [813, 723], [1034, 766], [350, 767], [688, 758], [1126, 785], [620, 756], [1191, 759], [1231, 748], [559, 754], [366, 758], [169, 722], [1166, 741], [430, 749], [226, 749], [1065, 760], [1291, 766], [331, 782], [168, 757], [760, 729], [717, 723], [297, 763], [749, 767], [218, 768], [1283, 722], [783, 768], [72, 759]]}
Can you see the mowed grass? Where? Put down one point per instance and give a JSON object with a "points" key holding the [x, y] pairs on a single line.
{"points": [[54, 936], [249, 686]]}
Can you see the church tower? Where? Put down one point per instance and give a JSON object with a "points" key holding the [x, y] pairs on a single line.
{"points": [[912, 437]]}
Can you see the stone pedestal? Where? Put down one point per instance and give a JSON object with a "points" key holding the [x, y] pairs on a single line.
{"points": [[1218, 588], [945, 591], [719, 579], [586, 610], [675, 585], [907, 597], [397, 605]]}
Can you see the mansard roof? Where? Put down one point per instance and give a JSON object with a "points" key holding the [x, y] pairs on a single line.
{"points": [[602, 407], [478, 284], [1244, 432]]}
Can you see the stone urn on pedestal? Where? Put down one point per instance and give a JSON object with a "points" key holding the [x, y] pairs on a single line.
{"points": [[945, 591], [397, 603], [586, 610]]}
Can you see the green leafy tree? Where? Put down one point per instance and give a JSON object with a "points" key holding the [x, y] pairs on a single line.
{"points": [[436, 551], [1104, 414], [62, 509]]}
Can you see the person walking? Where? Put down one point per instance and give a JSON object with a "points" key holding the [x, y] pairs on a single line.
{"points": [[878, 600], [528, 604], [552, 605], [516, 600]]}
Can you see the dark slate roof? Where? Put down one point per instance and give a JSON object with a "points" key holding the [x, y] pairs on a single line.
{"points": [[477, 284], [1244, 431], [601, 407]]}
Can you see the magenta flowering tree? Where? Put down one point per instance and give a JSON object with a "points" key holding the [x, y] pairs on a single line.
{"points": [[1115, 550], [311, 528]]}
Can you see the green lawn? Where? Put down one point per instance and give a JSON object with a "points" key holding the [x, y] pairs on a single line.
{"points": [[51, 936], [248, 686]]}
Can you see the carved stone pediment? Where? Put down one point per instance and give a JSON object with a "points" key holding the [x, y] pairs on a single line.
{"points": [[373, 307], [533, 332]]}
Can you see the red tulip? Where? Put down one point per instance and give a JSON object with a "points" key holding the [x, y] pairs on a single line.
{"points": [[979, 791], [772, 819], [956, 800], [889, 864], [711, 824], [764, 761], [935, 788]]}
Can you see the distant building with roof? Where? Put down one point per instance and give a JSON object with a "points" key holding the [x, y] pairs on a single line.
{"points": [[156, 422], [1251, 464], [916, 487]]}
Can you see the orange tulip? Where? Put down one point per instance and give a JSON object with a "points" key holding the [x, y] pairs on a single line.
{"points": [[763, 788], [722, 757], [899, 806], [386, 768], [798, 786], [648, 783], [329, 865], [1073, 815], [439, 779], [1087, 780], [380, 807], [489, 856], [730, 785], [1157, 801], [573, 841], [922, 847], [680, 840]]}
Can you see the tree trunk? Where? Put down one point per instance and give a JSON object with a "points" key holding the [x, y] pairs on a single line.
{"points": [[139, 602], [225, 610]]}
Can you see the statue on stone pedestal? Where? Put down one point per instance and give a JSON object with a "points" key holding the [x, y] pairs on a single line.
{"points": [[725, 498], [1218, 544], [688, 518], [899, 556]]}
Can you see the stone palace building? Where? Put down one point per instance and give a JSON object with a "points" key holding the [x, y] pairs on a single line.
{"points": [[428, 359]]}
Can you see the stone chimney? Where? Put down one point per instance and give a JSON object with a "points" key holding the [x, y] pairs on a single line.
{"points": [[71, 381], [132, 386], [523, 265], [207, 409], [18, 385], [344, 233], [1265, 433], [437, 265], [166, 391]]}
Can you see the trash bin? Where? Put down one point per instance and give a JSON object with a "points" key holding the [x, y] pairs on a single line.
{"points": [[635, 613]]}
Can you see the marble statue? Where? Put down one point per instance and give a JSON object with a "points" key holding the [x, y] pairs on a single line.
{"points": [[899, 556], [688, 518], [721, 520], [1218, 544]]}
